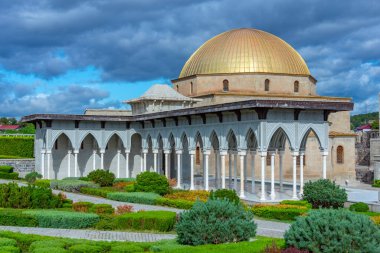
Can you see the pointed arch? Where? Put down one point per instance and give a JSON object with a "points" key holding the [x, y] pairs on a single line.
{"points": [[184, 140], [278, 140], [214, 140], [85, 136], [251, 140], [171, 141], [232, 140], [198, 139], [111, 136], [59, 135], [160, 141], [307, 133]]}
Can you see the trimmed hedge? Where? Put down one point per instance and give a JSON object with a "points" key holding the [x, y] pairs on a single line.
{"points": [[82, 206], [6, 169], [147, 220], [14, 196], [279, 212], [7, 242], [359, 207], [296, 203], [102, 209], [102, 177], [376, 183], [71, 185], [17, 146], [63, 219], [176, 203], [14, 217], [101, 192], [152, 182], [149, 198], [13, 175], [85, 248], [127, 179], [43, 183]]}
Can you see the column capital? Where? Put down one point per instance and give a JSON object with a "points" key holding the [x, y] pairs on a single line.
{"points": [[144, 151], [324, 153], [167, 151], [191, 152], [102, 151], [76, 151], [48, 151], [302, 153], [281, 152], [242, 153], [155, 151], [118, 151], [94, 151], [272, 153], [127, 151], [223, 152], [179, 151], [69, 151], [263, 153], [233, 152], [295, 153], [43, 151], [206, 152]]}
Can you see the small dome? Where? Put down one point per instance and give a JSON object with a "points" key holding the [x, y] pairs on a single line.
{"points": [[245, 51]]}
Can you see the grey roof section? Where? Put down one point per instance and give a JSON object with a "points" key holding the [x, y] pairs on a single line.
{"points": [[161, 92]]}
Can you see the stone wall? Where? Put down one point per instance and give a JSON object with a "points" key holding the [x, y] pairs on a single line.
{"points": [[22, 166]]}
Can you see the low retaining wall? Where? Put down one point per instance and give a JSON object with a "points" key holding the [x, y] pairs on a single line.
{"points": [[22, 166]]}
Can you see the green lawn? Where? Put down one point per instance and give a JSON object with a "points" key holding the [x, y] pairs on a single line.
{"points": [[24, 241], [12, 157]]}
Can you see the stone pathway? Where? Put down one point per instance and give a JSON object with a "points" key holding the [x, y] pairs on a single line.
{"points": [[91, 234]]}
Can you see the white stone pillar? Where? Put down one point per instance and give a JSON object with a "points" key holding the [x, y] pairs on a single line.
{"points": [[229, 170], [167, 152], [69, 152], [242, 155], [43, 163], [192, 153], [206, 154], [217, 166], [155, 152], [127, 171], [281, 161], [272, 191], [235, 170], [295, 154], [301, 174], [76, 152], [118, 164], [145, 151], [179, 165], [263, 167], [253, 153], [102, 151], [324, 164], [223, 167], [94, 159], [48, 155]]}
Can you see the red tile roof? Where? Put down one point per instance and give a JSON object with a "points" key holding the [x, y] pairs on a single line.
{"points": [[9, 127]]}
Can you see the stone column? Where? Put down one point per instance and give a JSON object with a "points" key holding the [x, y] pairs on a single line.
{"points": [[179, 165], [43, 163], [253, 153], [127, 171], [48, 155], [206, 155], [145, 151], [242, 155], [324, 164], [69, 152], [155, 152], [272, 191], [301, 173], [102, 151], [235, 170], [118, 164], [229, 170], [167, 152], [281, 160], [76, 152], [191, 153], [216, 170], [94, 159], [295, 154], [223, 167], [263, 167]]}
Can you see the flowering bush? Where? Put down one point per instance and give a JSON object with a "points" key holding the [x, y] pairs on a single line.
{"points": [[124, 209], [189, 195]]}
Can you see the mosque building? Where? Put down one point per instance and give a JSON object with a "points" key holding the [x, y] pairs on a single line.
{"points": [[243, 114]]}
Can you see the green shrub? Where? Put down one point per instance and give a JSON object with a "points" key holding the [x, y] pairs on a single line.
{"points": [[279, 212], [324, 193], [47, 244], [296, 203], [6, 169], [107, 222], [214, 222], [9, 249], [329, 230], [71, 185], [7, 242], [147, 220], [85, 248], [43, 183], [64, 219], [176, 203], [376, 183], [130, 188], [134, 197], [128, 179], [102, 209], [230, 195], [14, 217], [14, 196], [101, 192], [32, 177], [82, 206], [359, 207], [13, 175], [67, 205], [126, 249], [102, 177], [50, 250], [152, 182], [17, 146]]}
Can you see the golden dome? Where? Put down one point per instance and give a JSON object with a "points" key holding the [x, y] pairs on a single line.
{"points": [[245, 51]]}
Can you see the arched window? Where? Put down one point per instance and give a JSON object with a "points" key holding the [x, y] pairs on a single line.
{"points": [[339, 154], [296, 86], [191, 88], [225, 85], [266, 84], [197, 156]]}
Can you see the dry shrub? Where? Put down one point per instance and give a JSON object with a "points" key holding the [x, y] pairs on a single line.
{"points": [[124, 209], [172, 182], [189, 195]]}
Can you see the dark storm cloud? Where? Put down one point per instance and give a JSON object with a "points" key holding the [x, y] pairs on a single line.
{"points": [[144, 40]]}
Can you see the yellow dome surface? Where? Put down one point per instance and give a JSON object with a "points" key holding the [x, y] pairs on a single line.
{"points": [[245, 51]]}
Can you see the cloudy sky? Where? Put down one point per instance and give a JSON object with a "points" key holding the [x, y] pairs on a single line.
{"points": [[60, 56]]}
